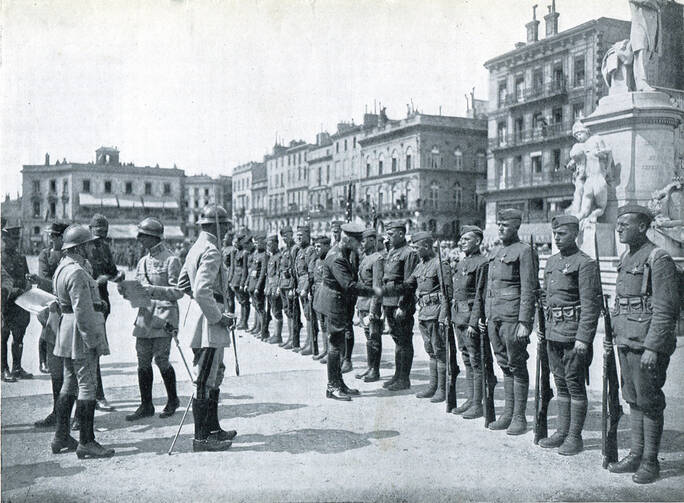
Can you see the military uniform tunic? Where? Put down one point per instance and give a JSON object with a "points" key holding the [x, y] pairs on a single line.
{"points": [[644, 316], [371, 270], [14, 319], [228, 254], [399, 264], [102, 262], [288, 285], [273, 274], [302, 261]]}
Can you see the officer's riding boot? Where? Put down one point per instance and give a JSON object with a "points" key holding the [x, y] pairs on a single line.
{"points": [[172, 402], [278, 334], [348, 348], [203, 441], [469, 393], [213, 421], [369, 359], [518, 425], [146, 408], [17, 371], [51, 418], [62, 439], [374, 374], [87, 445], [564, 415], [631, 462], [42, 356], [263, 326], [505, 418], [405, 362], [242, 325], [432, 387], [440, 395], [475, 410], [649, 469], [397, 368], [573, 442], [296, 348]]}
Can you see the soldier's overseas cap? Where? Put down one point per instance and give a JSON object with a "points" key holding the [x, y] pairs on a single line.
{"points": [[635, 208], [353, 230], [152, 227], [421, 236], [560, 220], [260, 237], [370, 233], [324, 240], [397, 224], [471, 228], [285, 229], [246, 238], [99, 220], [509, 214], [303, 228], [56, 228], [272, 238], [336, 224]]}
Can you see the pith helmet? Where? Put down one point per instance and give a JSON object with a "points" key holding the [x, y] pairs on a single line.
{"points": [[210, 212], [75, 235], [152, 227]]}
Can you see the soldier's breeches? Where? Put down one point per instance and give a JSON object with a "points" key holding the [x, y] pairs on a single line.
{"points": [[511, 354], [259, 301], [209, 369], [643, 387], [433, 339], [373, 331], [54, 362], [242, 298], [276, 304], [154, 347], [230, 297], [335, 350], [568, 368], [80, 376]]}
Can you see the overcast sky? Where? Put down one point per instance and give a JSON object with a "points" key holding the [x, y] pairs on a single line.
{"points": [[207, 84]]}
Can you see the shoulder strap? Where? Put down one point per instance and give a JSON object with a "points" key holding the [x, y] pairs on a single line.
{"points": [[645, 283]]}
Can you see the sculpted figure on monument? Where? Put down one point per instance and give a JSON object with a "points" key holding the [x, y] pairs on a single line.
{"points": [[589, 158], [644, 37], [616, 68]]}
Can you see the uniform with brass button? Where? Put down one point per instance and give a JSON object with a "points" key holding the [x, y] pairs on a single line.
{"points": [[275, 303]]}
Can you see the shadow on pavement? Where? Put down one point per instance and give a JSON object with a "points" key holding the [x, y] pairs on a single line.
{"points": [[18, 476]]}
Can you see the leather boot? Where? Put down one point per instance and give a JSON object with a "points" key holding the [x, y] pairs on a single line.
{"points": [[172, 402], [307, 350], [322, 357], [369, 359], [374, 374], [62, 439], [397, 369], [295, 337], [469, 394], [348, 350], [564, 415], [649, 469], [51, 419], [242, 325], [432, 387], [573, 443], [475, 410], [505, 418], [213, 421], [277, 336], [7, 376], [405, 361], [335, 393], [17, 371], [518, 425], [146, 408], [440, 395], [631, 462], [288, 343], [88, 447], [203, 441]]}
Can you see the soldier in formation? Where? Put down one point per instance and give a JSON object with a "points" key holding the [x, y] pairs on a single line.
{"points": [[275, 302], [287, 286], [319, 320], [227, 252], [256, 285], [306, 254], [237, 278]]}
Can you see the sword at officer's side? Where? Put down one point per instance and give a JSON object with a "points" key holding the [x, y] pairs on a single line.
{"points": [[173, 331]]}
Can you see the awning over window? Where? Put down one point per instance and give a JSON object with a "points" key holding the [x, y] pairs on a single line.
{"points": [[173, 232], [159, 202], [123, 231], [85, 199], [110, 201], [130, 202]]}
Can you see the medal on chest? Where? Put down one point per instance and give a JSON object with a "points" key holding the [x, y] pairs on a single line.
{"points": [[566, 269]]}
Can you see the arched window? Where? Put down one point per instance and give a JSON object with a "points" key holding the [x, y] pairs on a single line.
{"points": [[481, 162], [381, 162], [458, 154], [409, 158], [435, 158], [434, 195], [395, 162], [458, 195]]}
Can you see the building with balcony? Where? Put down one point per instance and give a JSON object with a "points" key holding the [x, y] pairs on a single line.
{"points": [[200, 190], [242, 195], [423, 169], [320, 202], [276, 188], [539, 89], [123, 192], [297, 185], [259, 209]]}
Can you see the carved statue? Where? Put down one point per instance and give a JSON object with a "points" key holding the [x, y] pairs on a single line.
{"points": [[644, 37], [617, 68], [589, 158]]}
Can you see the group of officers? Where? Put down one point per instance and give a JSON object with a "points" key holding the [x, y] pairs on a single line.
{"points": [[490, 300]]}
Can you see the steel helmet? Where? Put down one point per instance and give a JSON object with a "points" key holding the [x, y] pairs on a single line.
{"points": [[75, 235], [152, 227], [210, 213]]}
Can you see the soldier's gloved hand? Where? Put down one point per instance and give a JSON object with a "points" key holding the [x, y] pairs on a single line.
{"points": [[649, 360], [471, 332], [377, 290], [581, 348], [102, 279], [540, 336], [522, 333], [226, 321], [399, 314], [278, 291]]}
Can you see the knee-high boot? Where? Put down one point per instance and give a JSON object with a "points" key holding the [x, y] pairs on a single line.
{"points": [[469, 393], [62, 439]]}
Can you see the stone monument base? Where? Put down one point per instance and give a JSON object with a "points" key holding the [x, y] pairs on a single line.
{"points": [[605, 236]]}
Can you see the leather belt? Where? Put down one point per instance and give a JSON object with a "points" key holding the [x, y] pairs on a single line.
{"points": [[429, 299], [628, 305], [463, 306], [563, 313], [68, 309], [510, 290]]}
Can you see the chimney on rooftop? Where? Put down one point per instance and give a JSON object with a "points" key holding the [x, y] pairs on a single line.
{"points": [[47, 159], [551, 20], [533, 27]]}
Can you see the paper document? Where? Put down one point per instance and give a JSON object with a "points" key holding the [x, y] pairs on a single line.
{"points": [[135, 293], [35, 301]]}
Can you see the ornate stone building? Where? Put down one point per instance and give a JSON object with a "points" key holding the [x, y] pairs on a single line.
{"points": [[200, 190], [320, 178], [259, 209], [242, 195]]}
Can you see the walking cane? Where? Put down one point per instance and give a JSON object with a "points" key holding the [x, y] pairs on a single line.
{"points": [[170, 329]]}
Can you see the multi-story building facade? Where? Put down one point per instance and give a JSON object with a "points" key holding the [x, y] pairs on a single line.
{"points": [[226, 182], [242, 195], [539, 89], [346, 160], [259, 208], [200, 190], [124, 193], [423, 169], [297, 185], [276, 175], [320, 177]]}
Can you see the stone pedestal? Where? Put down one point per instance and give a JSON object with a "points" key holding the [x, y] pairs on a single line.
{"points": [[639, 128], [605, 236]]}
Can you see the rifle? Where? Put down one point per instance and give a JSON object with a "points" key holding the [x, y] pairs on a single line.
{"points": [[452, 369], [542, 377], [310, 328], [611, 410], [486, 361]]}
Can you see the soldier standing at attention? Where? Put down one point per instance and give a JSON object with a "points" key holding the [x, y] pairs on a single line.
{"points": [[467, 276], [275, 303], [104, 270], [158, 272], [573, 304], [249, 250], [370, 309], [80, 342], [14, 319], [203, 275], [316, 272], [227, 253], [400, 262], [236, 274], [338, 285], [257, 284], [509, 308], [646, 310], [305, 255], [426, 280], [287, 286]]}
